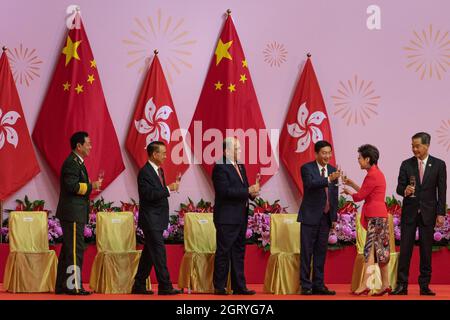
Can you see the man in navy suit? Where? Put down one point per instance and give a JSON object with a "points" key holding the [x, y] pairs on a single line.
{"points": [[317, 214], [230, 218], [153, 220], [423, 208]]}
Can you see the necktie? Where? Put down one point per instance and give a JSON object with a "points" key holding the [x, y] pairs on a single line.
{"points": [[421, 171], [161, 176], [238, 171], [327, 203]]}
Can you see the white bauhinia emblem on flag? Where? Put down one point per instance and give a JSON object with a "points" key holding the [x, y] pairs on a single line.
{"points": [[8, 120], [306, 128], [154, 125]]}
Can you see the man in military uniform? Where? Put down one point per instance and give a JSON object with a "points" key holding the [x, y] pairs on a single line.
{"points": [[73, 212]]}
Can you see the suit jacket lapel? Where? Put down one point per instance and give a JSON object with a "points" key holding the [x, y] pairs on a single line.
{"points": [[427, 169], [84, 173], [153, 174], [244, 176], [233, 169], [415, 168]]}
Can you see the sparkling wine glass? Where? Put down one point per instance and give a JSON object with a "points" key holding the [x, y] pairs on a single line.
{"points": [[101, 176], [412, 183], [338, 169], [178, 181]]}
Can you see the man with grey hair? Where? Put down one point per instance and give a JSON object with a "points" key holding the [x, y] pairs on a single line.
{"points": [[232, 192], [422, 182]]}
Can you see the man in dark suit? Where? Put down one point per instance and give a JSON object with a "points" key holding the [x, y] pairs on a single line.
{"points": [[153, 220], [232, 192], [423, 207], [317, 214], [73, 212]]}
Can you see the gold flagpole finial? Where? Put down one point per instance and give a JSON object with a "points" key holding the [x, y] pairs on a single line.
{"points": [[229, 12], [155, 52], [4, 48], [308, 55]]}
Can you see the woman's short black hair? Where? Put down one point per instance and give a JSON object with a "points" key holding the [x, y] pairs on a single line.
{"points": [[371, 152]]}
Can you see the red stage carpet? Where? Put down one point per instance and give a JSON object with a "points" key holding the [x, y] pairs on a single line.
{"points": [[338, 268], [342, 293]]}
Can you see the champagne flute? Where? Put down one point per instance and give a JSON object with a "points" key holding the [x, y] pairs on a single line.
{"points": [[178, 181], [101, 176], [258, 181], [344, 178], [412, 183], [338, 169]]}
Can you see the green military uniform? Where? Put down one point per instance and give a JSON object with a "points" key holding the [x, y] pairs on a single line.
{"points": [[73, 212]]}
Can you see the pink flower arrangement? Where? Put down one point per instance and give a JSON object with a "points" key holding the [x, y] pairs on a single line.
{"points": [[258, 225], [345, 230]]}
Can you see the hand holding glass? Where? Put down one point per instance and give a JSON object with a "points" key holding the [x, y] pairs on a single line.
{"points": [[101, 176], [412, 183], [178, 181]]}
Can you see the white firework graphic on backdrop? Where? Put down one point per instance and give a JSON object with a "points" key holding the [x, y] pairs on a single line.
{"points": [[443, 134], [428, 53], [356, 101], [168, 36], [25, 64], [275, 54]]}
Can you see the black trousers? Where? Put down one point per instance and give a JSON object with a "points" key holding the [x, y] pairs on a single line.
{"points": [[70, 259], [407, 240], [314, 244], [153, 255], [230, 240]]}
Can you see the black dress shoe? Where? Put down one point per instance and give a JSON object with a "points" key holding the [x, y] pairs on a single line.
{"points": [[169, 292], [306, 292], [245, 292], [141, 291], [80, 292], [324, 291], [220, 292], [401, 290], [425, 291]]}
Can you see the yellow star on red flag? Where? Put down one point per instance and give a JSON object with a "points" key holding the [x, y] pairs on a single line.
{"points": [[222, 51], [70, 50], [79, 88]]}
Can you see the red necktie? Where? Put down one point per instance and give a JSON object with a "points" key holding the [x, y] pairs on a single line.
{"points": [[161, 176], [421, 171], [327, 203], [238, 171]]}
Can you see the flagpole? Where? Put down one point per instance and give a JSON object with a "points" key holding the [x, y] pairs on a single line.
{"points": [[1, 218], [4, 48], [229, 12], [155, 52], [308, 55]]}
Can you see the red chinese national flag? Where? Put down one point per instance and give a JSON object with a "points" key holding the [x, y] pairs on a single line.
{"points": [[75, 102], [228, 101], [18, 163], [306, 123], [155, 119]]}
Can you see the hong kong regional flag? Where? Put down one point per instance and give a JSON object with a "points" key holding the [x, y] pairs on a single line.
{"points": [[228, 102], [155, 119], [306, 123], [75, 102], [18, 163]]}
